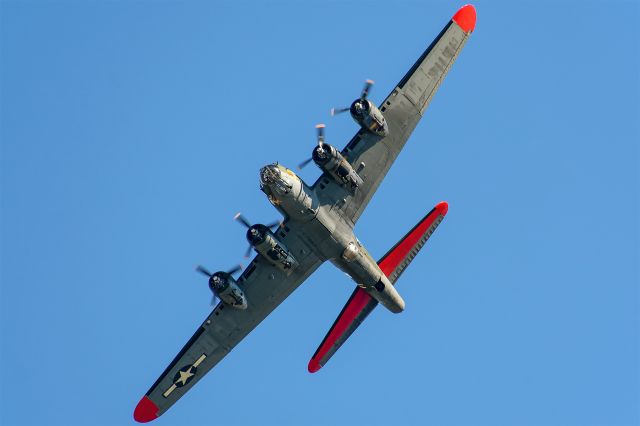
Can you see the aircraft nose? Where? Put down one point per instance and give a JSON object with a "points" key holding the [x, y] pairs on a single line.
{"points": [[270, 168], [268, 174]]}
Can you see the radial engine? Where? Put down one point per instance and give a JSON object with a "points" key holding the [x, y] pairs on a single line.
{"points": [[225, 287], [264, 241], [330, 160], [365, 113]]}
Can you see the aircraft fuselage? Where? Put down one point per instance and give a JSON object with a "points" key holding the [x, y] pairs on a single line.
{"points": [[327, 232]]}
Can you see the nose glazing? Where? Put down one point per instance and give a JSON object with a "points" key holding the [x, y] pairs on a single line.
{"points": [[272, 177], [268, 174]]}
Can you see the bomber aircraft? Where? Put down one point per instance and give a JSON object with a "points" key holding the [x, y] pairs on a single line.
{"points": [[318, 226]]}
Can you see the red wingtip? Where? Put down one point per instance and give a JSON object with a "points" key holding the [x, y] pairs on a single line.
{"points": [[466, 18], [314, 366], [442, 207], [145, 411]]}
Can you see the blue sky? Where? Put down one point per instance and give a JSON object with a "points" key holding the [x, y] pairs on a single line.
{"points": [[132, 132]]}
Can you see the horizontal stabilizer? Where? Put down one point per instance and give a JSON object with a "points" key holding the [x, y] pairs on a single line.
{"points": [[360, 304], [400, 256]]}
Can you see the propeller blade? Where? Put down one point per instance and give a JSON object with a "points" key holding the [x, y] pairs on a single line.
{"points": [[304, 163], [320, 128], [335, 111], [243, 220], [235, 269], [213, 300], [203, 270], [366, 88], [274, 224], [248, 252]]}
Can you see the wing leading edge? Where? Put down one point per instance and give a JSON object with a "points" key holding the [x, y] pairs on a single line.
{"points": [[360, 304]]}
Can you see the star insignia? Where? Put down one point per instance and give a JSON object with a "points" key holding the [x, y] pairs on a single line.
{"points": [[184, 375]]}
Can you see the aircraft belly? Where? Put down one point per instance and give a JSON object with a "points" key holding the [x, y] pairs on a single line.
{"points": [[366, 273], [317, 234]]}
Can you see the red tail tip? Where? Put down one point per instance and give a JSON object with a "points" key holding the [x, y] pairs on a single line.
{"points": [[314, 366], [145, 411], [466, 18], [442, 207]]}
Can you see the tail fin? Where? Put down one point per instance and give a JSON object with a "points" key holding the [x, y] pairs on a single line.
{"points": [[360, 304]]}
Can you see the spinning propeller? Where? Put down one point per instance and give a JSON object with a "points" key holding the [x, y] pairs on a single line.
{"points": [[320, 146], [206, 272], [363, 96], [243, 220]]}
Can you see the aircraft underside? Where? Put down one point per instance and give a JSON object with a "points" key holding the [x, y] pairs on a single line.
{"points": [[328, 234], [318, 226]]}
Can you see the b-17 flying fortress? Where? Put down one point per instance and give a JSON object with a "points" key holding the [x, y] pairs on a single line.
{"points": [[318, 226]]}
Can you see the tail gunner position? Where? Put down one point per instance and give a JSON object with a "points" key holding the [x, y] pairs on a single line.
{"points": [[318, 226]]}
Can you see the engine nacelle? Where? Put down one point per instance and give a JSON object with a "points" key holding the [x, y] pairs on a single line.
{"points": [[369, 117], [329, 159], [226, 288], [265, 243]]}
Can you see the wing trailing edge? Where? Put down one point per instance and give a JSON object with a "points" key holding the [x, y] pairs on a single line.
{"points": [[360, 304]]}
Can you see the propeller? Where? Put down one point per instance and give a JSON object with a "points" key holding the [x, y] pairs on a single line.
{"points": [[243, 220], [205, 271], [235, 269], [320, 130], [336, 111], [363, 96], [365, 89], [304, 163]]}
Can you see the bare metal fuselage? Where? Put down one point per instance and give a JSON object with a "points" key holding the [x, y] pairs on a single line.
{"points": [[327, 233]]}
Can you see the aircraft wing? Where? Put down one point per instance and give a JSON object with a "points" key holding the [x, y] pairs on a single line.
{"points": [[265, 287], [372, 156]]}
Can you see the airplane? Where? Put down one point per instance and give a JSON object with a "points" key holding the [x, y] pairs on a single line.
{"points": [[318, 226]]}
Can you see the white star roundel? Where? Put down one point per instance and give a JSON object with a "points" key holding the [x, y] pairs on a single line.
{"points": [[184, 375]]}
